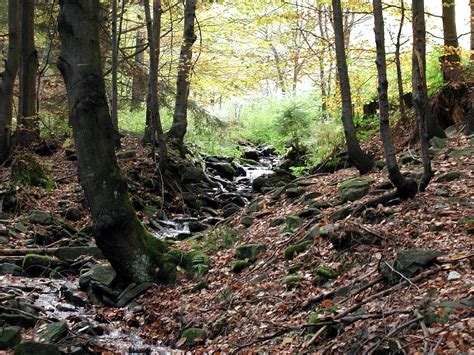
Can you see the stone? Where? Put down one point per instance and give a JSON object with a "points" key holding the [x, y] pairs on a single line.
{"points": [[449, 176], [27, 170], [196, 226], [20, 227], [127, 154], [20, 320], [309, 212], [408, 157], [251, 155], [239, 265], [4, 240], [224, 170], [277, 222], [408, 263], [291, 280], [269, 182], [326, 272], [247, 220], [250, 252], [294, 192], [192, 174], [469, 151], [292, 222], [451, 131], [131, 293], [40, 217], [292, 250], [72, 253], [11, 269], [37, 265], [29, 348], [312, 195], [194, 336], [73, 214], [340, 214], [438, 143], [104, 274], [355, 188], [253, 207], [9, 337], [453, 275], [51, 332], [230, 209]]}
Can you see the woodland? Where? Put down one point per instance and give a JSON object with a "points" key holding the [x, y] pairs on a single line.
{"points": [[285, 176]]}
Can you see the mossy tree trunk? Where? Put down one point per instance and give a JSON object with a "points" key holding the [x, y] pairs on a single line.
{"points": [[132, 251], [361, 161], [8, 77], [405, 188]]}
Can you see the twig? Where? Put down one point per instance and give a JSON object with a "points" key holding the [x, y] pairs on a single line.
{"points": [[438, 343], [400, 274], [425, 330]]}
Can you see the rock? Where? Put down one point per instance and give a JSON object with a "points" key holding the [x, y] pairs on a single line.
{"points": [[51, 332], [72, 253], [70, 154], [27, 170], [10, 269], [192, 174], [251, 155], [292, 222], [270, 182], [73, 214], [453, 275], [277, 222], [294, 192], [29, 348], [127, 154], [449, 176], [438, 143], [408, 157], [451, 131], [74, 296], [355, 188], [9, 337], [380, 164], [469, 151], [312, 195], [224, 170], [194, 336], [104, 274], [20, 320], [20, 227], [131, 293], [239, 265], [340, 214], [45, 149], [292, 250], [247, 220], [327, 272], [230, 209], [37, 265], [292, 280], [4, 240], [250, 252], [408, 263], [40, 217], [309, 212], [254, 206], [196, 226], [85, 279]]}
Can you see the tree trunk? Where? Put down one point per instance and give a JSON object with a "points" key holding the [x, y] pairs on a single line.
{"points": [[27, 129], [420, 91], [115, 50], [450, 61], [472, 33], [138, 80], [180, 121], [154, 130], [361, 161], [132, 251], [8, 79], [398, 63], [405, 188]]}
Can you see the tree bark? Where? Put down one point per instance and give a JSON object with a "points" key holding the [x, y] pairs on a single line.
{"points": [[361, 161], [405, 188], [8, 79], [132, 251], [138, 80], [180, 121], [420, 91], [115, 50], [154, 130], [472, 33], [27, 128], [398, 63], [450, 61]]}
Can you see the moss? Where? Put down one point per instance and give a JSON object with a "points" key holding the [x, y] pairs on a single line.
{"points": [[27, 170], [250, 252], [327, 272], [201, 285], [194, 336], [292, 250], [292, 279], [239, 265]]}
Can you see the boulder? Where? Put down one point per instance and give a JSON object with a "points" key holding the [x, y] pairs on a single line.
{"points": [[29, 347], [272, 181], [224, 170], [230, 209], [27, 170], [408, 157], [438, 143], [51, 332], [355, 188], [192, 174], [73, 214], [449, 176], [292, 280], [19, 320], [104, 274], [251, 155], [250, 252], [40, 217], [9, 337], [37, 265]]}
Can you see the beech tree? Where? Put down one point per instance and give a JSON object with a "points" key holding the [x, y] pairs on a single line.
{"points": [[450, 61], [361, 161], [133, 252], [406, 188], [8, 77], [27, 123], [180, 117]]}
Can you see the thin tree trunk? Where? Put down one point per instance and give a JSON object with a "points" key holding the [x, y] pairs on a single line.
{"points": [[398, 63], [132, 251], [450, 62], [138, 80], [472, 33], [154, 130], [27, 129], [180, 120], [405, 188], [115, 50], [8, 79], [361, 161], [420, 91]]}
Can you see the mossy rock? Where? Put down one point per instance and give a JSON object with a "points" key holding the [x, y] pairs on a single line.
{"points": [[28, 348], [277, 222], [247, 220], [9, 337], [449, 176], [36, 265], [465, 152], [239, 265], [292, 222], [194, 336], [250, 252], [355, 188], [295, 192], [292, 250], [292, 280], [40, 217], [27, 170], [326, 271], [293, 269]]}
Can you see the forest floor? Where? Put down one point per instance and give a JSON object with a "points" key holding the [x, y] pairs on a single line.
{"points": [[310, 264]]}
